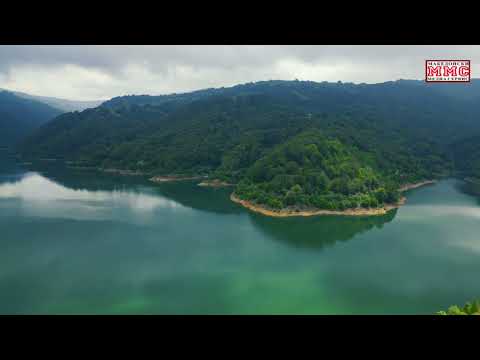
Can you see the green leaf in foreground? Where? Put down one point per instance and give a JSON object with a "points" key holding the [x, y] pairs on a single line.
{"points": [[470, 308]]}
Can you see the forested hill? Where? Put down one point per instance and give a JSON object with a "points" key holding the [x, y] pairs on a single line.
{"points": [[19, 117], [439, 103], [467, 157], [386, 134]]}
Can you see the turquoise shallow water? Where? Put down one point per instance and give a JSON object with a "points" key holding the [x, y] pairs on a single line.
{"points": [[76, 242]]}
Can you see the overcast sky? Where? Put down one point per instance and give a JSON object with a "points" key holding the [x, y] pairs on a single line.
{"points": [[102, 72]]}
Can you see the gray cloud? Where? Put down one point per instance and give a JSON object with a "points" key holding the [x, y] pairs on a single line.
{"points": [[101, 72]]}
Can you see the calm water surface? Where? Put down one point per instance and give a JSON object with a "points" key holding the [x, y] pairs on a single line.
{"points": [[76, 242]]}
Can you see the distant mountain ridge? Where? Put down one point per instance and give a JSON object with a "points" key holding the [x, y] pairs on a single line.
{"points": [[62, 104], [466, 91]]}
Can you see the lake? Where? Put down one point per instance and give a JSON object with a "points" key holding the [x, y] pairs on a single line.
{"points": [[79, 242]]}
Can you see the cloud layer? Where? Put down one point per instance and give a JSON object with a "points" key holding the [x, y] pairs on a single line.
{"points": [[101, 72]]}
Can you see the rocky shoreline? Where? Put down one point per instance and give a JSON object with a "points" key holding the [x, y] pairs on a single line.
{"points": [[215, 183], [123, 172], [407, 187], [162, 179], [294, 212]]}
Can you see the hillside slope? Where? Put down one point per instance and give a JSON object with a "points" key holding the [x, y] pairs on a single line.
{"points": [[19, 117]]}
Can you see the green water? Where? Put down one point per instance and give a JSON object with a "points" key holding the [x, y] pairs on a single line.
{"points": [[74, 242]]}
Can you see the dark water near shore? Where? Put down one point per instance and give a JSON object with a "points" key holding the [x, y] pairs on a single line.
{"points": [[81, 242]]}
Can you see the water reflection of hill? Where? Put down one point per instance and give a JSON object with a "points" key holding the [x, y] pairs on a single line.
{"points": [[318, 232], [198, 197], [79, 179], [186, 193]]}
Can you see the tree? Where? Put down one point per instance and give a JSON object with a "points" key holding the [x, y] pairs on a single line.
{"points": [[470, 308]]}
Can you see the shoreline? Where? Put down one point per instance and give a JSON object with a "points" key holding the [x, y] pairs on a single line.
{"points": [[162, 179], [407, 187], [122, 172], [214, 183], [348, 212], [305, 213]]}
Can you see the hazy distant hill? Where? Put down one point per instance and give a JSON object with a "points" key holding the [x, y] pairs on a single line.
{"points": [[20, 116], [61, 104]]}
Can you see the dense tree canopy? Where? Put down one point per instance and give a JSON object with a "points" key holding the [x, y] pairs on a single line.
{"points": [[313, 171]]}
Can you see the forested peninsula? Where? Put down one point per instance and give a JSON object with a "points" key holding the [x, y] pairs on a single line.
{"points": [[287, 147]]}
